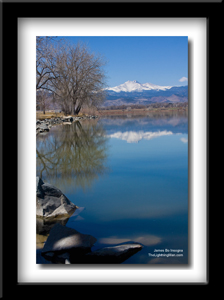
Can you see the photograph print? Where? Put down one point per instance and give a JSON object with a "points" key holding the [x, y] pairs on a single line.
{"points": [[112, 150]]}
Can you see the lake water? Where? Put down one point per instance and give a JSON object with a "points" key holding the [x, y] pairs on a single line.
{"points": [[129, 177]]}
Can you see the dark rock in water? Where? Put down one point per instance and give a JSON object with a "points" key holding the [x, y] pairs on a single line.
{"points": [[43, 127], [113, 255], [39, 191], [67, 119], [51, 190], [68, 246], [51, 202], [63, 240]]}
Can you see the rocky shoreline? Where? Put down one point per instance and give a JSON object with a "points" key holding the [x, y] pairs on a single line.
{"points": [[46, 124]]}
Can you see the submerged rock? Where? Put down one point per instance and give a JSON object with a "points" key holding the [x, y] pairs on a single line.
{"points": [[51, 202], [67, 245], [113, 255], [67, 119], [63, 240]]}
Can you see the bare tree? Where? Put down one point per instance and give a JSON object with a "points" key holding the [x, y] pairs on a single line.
{"points": [[43, 100], [73, 74], [46, 70], [81, 78]]}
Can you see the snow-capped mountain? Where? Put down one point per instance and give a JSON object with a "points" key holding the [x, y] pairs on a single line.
{"points": [[134, 92], [135, 86]]}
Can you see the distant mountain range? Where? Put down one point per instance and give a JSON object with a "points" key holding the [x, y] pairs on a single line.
{"points": [[135, 86], [133, 92]]}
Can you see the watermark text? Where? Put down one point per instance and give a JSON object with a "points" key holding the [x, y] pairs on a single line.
{"points": [[167, 253]]}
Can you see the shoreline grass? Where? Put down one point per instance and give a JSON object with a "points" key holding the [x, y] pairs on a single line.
{"points": [[105, 112]]}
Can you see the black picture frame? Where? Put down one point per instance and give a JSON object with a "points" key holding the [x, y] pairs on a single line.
{"points": [[10, 12]]}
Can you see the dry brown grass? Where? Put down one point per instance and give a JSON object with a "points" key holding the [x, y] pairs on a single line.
{"points": [[141, 111], [48, 115]]}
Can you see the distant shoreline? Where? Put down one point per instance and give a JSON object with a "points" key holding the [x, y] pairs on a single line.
{"points": [[140, 111], [117, 112]]}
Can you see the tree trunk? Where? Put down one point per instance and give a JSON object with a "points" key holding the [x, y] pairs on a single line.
{"points": [[77, 110]]}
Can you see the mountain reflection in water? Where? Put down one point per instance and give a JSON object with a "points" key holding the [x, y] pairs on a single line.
{"points": [[130, 177]]}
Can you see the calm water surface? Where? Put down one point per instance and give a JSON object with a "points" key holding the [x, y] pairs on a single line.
{"points": [[129, 176]]}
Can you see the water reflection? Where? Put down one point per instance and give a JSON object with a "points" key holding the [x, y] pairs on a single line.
{"points": [[135, 137], [175, 123], [147, 240], [143, 198], [72, 155]]}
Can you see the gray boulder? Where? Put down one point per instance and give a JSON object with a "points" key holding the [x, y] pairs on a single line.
{"points": [[67, 119], [63, 240], [43, 127], [51, 202], [113, 255], [67, 245], [39, 183]]}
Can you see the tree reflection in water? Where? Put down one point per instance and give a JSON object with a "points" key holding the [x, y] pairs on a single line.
{"points": [[72, 156]]}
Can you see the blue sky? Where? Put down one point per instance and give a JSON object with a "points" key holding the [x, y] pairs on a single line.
{"points": [[158, 60]]}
